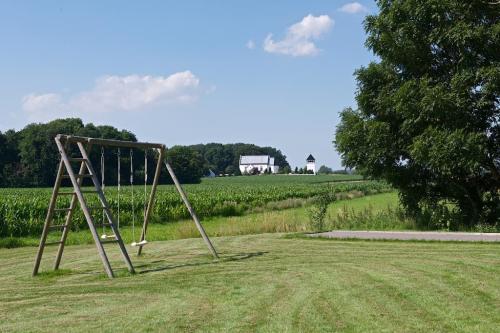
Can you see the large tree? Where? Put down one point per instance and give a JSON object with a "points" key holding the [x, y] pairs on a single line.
{"points": [[29, 157], [187, 164], [428, 117]]}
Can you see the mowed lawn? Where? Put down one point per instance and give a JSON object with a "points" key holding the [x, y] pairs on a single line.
{"points": [[262, 283]]}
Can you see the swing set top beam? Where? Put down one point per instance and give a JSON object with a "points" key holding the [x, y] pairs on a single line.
{"points": [[109, 142]]}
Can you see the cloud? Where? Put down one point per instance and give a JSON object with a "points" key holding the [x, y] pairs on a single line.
{"points": [[34, 103], [299, 38], [117, 93], [353, 8], [250, 44]]}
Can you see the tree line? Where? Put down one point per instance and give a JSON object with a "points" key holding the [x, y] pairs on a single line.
{"points": [[225, 158], [29, 157]]}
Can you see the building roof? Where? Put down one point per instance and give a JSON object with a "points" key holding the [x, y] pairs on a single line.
{"points": [[254, 159], [310, 158]]}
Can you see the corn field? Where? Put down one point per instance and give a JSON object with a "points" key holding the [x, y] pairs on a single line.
{"points": [[22, 211]]}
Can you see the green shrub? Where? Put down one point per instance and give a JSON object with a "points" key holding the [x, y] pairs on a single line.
{"points": [[317, 212]]}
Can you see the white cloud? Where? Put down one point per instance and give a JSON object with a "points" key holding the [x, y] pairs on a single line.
{"points": [[299, 38], [353, 8], [34, 102], [250, 44], [116, 93]]}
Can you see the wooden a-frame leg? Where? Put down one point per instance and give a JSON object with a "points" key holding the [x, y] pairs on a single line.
{"points": [[191, 210], [48, 219], [107, 212], [86, 212], [69, 216], [151, 197]]}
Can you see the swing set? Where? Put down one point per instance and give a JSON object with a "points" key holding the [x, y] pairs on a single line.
{"points": [[86, 170]]}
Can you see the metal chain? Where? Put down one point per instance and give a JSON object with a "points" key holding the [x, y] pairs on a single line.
{"points": [[102, 187], [132, 188], [119, 186], [145, 182]]}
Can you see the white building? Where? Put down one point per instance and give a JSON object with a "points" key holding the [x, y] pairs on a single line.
{"points": [[311, 164], [257, 163]]}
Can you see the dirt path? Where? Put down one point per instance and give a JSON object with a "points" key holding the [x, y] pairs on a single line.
{"points": [[412, 235]]}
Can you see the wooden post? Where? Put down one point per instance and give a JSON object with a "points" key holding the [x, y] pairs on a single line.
{"points": [[69, 216], [161, 154], [109, 216], [191, 210], [84, 207], [48, 218]]}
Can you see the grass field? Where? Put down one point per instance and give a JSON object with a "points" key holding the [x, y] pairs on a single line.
{"points": [[262, 283]]}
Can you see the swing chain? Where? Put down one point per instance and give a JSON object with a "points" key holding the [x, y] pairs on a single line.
{"points": [[132, 189], [103, 187], [145, 182], [119, 185]]}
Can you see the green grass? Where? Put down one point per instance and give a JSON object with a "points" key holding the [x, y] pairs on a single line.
{"points": [[282, 220], [262, 283]]}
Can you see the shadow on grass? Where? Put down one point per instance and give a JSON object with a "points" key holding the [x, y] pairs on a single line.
{"points": [[236, 257]]}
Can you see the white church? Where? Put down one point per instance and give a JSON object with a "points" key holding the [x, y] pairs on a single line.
{"points": [[257, 164]]}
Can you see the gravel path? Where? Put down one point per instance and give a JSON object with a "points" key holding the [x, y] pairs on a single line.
{"points": [[412, 235]]}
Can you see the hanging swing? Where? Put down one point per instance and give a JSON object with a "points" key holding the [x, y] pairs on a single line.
{"points": [[143, 241]]}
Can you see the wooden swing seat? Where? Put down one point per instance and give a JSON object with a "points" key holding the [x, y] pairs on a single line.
{"points": [[104, 236], [141, 243]]}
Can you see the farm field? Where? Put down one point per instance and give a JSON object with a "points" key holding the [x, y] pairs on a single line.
{"points": [[22, 211], [263, 283], [367, 213]]}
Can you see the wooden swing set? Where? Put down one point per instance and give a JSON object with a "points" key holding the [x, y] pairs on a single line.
{"points": [[86, 170]]}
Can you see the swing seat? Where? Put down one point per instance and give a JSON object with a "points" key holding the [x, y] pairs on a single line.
{"points": [[141, 243], [104, 236]]}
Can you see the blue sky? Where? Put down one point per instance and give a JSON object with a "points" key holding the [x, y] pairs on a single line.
{"points": [[273, 73]]}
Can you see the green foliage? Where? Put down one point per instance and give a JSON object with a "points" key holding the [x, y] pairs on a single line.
{"points": [[11, 242], [22, 211], [325, 170], [286, 170], [428, 117], [317, 212], [371, 218], [231, 170], [29, 157], [187, 164], [218, 157]]}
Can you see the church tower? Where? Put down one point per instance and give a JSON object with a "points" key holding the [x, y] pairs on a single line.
{"points": [[311, 164]]}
